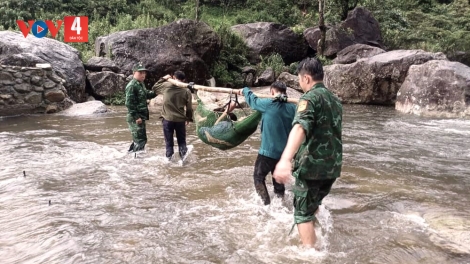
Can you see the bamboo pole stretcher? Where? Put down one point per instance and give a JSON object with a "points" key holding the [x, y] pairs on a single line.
{"points": [[223, 90]]}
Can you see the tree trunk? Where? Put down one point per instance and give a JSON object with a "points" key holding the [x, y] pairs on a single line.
{"points": [[197, 10], [321, 25]]}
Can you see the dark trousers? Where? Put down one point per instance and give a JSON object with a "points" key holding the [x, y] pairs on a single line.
{"points": [[263, 166], [169, 128]]}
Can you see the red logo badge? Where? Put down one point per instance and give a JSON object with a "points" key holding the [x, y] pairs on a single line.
{"points": [[76, 29]]}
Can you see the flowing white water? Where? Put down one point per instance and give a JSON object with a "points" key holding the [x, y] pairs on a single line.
{"points": [[402, 198]]}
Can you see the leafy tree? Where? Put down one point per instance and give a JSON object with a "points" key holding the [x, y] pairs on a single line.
{"points": [[433, 25]]}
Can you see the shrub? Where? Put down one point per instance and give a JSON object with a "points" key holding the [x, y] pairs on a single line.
{"points": [[273, 61], [232, 57], [118, 98]]}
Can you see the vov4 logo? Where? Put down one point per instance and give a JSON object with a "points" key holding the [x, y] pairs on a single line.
{"points": [[75, 28]]}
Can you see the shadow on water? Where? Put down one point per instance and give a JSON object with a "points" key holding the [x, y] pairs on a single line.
{"points": [[402, 197]]}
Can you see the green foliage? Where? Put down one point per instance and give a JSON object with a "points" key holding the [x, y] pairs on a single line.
{"points": [[232, 57], [433, 25], [292, 69], [118, 98], [273, 61], [282, 11], [337, 10], [423, 24], [324, 60]]}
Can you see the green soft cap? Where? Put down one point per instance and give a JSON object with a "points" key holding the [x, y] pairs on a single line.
{"points": [[138, 67]]}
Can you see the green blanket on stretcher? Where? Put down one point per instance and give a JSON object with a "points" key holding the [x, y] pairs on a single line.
{"points": [[226, 134]]}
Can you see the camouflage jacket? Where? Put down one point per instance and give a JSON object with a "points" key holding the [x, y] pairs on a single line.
{"points": [[136, 99], [320, 156]]}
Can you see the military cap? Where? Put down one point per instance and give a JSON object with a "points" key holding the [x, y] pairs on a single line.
{"points": [[138, 67]]}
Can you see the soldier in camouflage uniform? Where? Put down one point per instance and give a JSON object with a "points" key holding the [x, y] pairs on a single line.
{"points": [[315, 145], [136, 103]]}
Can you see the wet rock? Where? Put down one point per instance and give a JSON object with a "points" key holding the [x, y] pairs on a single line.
{"points": [[375, 80], [51, 109], [437, 89]]}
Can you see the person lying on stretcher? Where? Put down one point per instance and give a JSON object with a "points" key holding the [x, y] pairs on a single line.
{"points": [[228, 111]]}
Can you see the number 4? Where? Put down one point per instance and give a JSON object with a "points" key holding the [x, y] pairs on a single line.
{"points": [[76, 25]]}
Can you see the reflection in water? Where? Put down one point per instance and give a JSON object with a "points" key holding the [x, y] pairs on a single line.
{"points": [[402, 198]]}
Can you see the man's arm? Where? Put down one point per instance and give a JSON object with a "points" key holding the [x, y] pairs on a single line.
{"points": [[158, 87], [283, 170], [303, 123], [253, 101], [150, 94]]}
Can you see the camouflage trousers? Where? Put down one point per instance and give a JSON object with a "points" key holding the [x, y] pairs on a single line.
{"points": [[139, 134], [308, 195]]}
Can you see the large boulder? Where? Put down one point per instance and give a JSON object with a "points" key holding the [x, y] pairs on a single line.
{"points": [[97, 64], [17, 50], [266, 77], [355, 52], [436, 88], [360, 27], [106, 84], [265, 38], [375, 80], [185, 45], [290, 80]]}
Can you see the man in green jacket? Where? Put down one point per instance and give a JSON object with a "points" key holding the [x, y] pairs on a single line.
{"points": [[276, 123], [315, 144], [136, 103], [177, 112]]}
